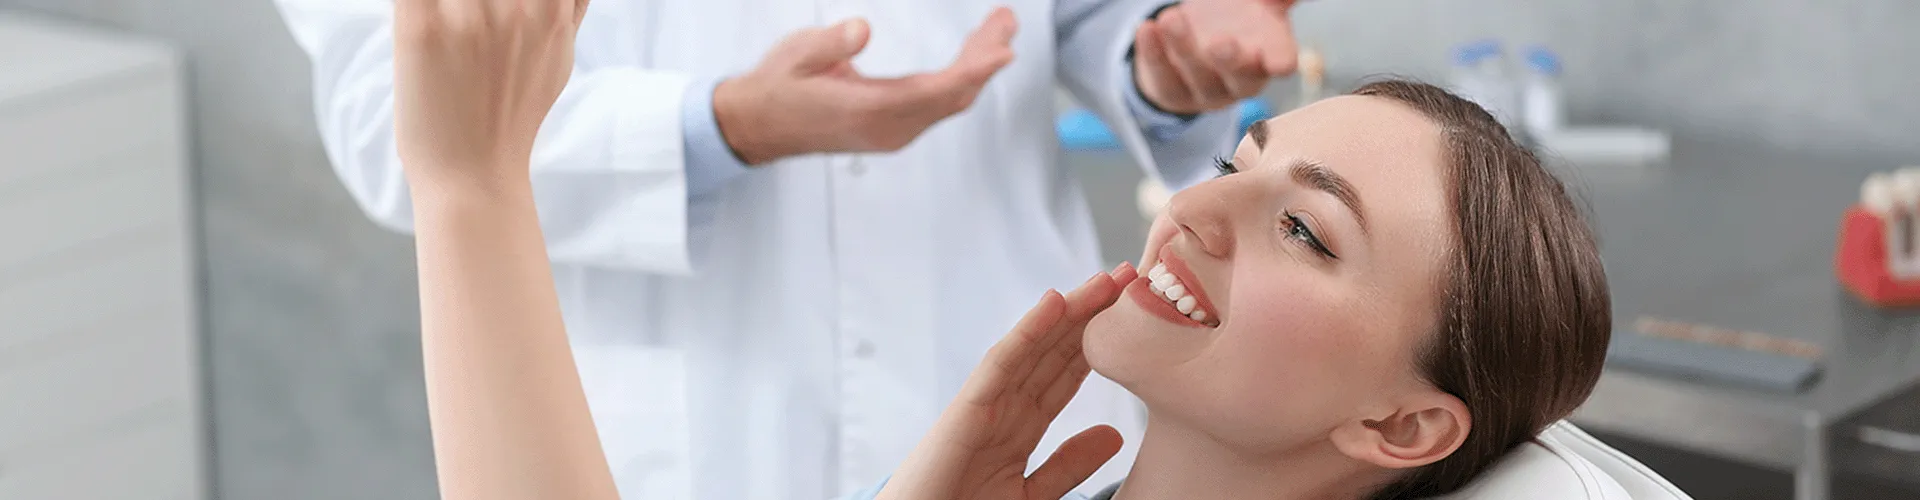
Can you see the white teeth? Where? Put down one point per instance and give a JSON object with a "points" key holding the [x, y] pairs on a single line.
{"points": [[1169, 287]]}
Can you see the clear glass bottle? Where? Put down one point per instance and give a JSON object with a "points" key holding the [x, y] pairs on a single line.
{"points": [[1545, 105], [1481, 75]]}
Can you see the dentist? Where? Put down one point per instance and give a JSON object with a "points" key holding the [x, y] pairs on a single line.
{"points": [[784, 231]]}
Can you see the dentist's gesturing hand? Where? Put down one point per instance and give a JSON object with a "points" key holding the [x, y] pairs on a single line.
{"points": [[978, 449], [1203, 55], [473, 79], [806, 97]]}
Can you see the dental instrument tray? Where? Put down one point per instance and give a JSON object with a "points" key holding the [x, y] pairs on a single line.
{"points": [[1716, 355]]}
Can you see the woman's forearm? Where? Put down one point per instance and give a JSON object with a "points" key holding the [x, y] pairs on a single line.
{"points": [[508, 415]]}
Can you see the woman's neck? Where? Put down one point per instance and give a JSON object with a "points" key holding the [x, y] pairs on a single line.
{"points": [[1180, 461]]}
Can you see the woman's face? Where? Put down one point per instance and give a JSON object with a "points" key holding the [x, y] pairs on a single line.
{"points": [[1315, 271]]}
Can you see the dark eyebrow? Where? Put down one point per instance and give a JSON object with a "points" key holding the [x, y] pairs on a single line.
{"points": [[1258, 131], [1318, 177]]}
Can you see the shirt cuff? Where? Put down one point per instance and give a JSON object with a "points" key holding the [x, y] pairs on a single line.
{"points": [[1159, 126], [710, 162]]}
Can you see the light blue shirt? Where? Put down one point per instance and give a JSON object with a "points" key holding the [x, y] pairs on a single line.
{"points": [[711, 163]]}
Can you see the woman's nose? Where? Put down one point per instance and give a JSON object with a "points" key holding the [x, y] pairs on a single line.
{"points": [[1204, 213]]}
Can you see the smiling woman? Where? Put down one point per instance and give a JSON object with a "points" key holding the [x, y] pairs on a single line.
{"points": [[1381, 295]]}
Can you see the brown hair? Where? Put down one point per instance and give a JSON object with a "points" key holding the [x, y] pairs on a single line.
{"points": [[1525, 316]]}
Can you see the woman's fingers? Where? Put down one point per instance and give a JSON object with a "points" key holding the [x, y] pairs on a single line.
{"points": [[1124, 275], [1035, 340], [1062, 346], [1076, 460], [1016, 353], [1061, 389], [1091, 298]]}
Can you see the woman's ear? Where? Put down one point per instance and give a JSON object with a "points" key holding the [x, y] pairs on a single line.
{"points": [[1423, 430]]}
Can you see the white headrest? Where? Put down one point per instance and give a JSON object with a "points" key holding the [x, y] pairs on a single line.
{"points": [[1566, 463]]}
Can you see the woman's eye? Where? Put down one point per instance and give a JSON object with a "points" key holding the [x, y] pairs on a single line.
{"points": [[1298, 230], [1224, 165]]}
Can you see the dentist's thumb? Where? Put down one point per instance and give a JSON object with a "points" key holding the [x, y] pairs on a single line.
{"points": [[824, 48]]}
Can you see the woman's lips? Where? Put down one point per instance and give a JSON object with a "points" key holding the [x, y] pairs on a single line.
{"points": [[1140, 291], [1178, 268]]}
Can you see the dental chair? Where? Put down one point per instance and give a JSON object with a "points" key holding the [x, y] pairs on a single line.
{"points": [[1566, 463]]}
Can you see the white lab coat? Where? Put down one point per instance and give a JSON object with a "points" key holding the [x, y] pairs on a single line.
{"points": [[792, 335]]}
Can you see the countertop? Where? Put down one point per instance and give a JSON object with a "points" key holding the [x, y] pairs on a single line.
{"points": [[1740, 237]]}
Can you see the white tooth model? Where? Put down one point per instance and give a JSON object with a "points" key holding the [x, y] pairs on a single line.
{"points": [[1906, 195], [1876, 194], [1895, 198]]}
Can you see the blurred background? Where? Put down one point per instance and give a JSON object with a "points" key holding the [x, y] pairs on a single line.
{"points": [[297, 374]]}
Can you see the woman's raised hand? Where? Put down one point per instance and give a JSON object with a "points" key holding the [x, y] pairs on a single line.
{"points": [[978, 449], [473, 80]]}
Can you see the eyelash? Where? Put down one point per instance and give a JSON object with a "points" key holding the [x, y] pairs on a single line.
{"points": [[1225, 166], [1295, 227], [1298, 230]]}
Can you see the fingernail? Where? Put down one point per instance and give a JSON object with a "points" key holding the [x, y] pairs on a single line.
{"points": [[850, 32]]}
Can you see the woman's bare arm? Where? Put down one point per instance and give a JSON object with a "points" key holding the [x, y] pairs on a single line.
{"points": [[473, 81], [509, 418]]}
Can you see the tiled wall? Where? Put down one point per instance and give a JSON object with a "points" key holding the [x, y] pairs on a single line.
{"points": [[311, 321]]}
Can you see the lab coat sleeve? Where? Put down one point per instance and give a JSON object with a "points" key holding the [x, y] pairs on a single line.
{"points": [[711, 163], [1160, 126], [608, 168], [1092, 37]]}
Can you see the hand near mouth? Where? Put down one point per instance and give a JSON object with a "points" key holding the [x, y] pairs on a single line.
{"points": [[978, 449]]}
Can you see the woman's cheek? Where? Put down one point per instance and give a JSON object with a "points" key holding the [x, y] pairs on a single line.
{"points": [[1295, 326]]}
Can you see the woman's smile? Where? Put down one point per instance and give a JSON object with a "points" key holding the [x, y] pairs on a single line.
{"points": [[1170, 290]]}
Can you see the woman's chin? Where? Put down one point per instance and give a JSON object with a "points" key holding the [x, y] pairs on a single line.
{"points": [[1125, 344], [1101, 347]]}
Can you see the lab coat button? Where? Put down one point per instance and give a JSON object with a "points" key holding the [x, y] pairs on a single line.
{"points": [[864, 349], [856, 167]]}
